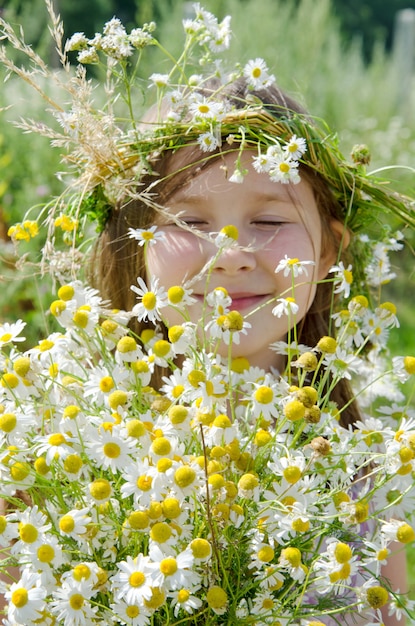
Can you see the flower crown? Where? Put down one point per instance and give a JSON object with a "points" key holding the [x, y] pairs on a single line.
{"points": [[109, 149]]}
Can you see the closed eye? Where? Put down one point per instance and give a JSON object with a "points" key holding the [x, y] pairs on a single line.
{"points": [[265, 223]]}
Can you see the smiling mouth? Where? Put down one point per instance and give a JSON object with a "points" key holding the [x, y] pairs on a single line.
{"points": [[242, 302]]}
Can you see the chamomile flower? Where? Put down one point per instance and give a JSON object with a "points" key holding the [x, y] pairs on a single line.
{"points": [[56, 445], [257, 74], [152, 300], [26, 599], [295, 147], [209, 141], [228, 327], [265, 398], [131, 613], [9, 333], [74, 523], [159, 80], [134, 580], [203, 108], [182, 599], [72, 605], [285, 306], [293, 266], [172, 572], [111, 451], [138, 479], [146, 236], [343, 278], [285, 170]]}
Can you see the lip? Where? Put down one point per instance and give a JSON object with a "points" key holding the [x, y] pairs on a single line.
{"points": [[243, 300]]}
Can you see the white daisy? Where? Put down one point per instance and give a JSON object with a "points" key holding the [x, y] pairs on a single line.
{"points": [[146, 236], [26, 599], [9, 333], [134, 579], [257, 74], [151, 300], [293, 266], [285, 306]]}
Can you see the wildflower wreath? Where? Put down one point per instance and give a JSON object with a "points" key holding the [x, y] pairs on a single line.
{"points": [[230, 495]]}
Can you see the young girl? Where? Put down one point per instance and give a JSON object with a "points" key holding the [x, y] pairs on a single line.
{"points": [[213, 466], [276, 220]]}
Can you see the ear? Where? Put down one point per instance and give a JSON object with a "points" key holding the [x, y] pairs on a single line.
{"points": [[338, 241]]}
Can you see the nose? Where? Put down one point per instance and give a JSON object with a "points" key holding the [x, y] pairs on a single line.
{"points": [[234, 260]]}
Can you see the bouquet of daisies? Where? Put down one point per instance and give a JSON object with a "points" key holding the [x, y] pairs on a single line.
{"points": [[228, 496]]}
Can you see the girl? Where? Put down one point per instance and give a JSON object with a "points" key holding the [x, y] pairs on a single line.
{"points": [[196, 196], [211, 464]]}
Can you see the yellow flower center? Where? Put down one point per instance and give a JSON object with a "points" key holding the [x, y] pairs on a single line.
{"points": [[177, 414], [158, 598], [144, 483], [294, 410], [76, 601], [405, 533], [168, 566], [72, 464], [292, 555], [248, 482], [126, 344], [292, 474], [117, 398], [66, 293], [67, 523], [100, 489], [377, 596], [57, 439], [200, 548], [222, 421], [175, 332], [45, 553], [342, 552], [265, 554], [81, 318], [19, 471], [112, 450], [264, 395], [20, 597], [21, 366], [28, 533], [138, 520], [137, 579], [175, 294], [216, 597], [230, 231], [8, 422], [183, 596], [161, 532], [149, 300], [171, 508], [132, 611], [81, 572], [184, 476]]}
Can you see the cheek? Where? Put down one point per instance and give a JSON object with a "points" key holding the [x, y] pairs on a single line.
{"points": [[294, 242], [174, 259]]}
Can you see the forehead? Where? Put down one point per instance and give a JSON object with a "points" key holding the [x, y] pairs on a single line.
{"points": [[209, 179]]}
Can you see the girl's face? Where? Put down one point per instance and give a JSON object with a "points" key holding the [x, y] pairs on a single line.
{"points": [[274, 220]]}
